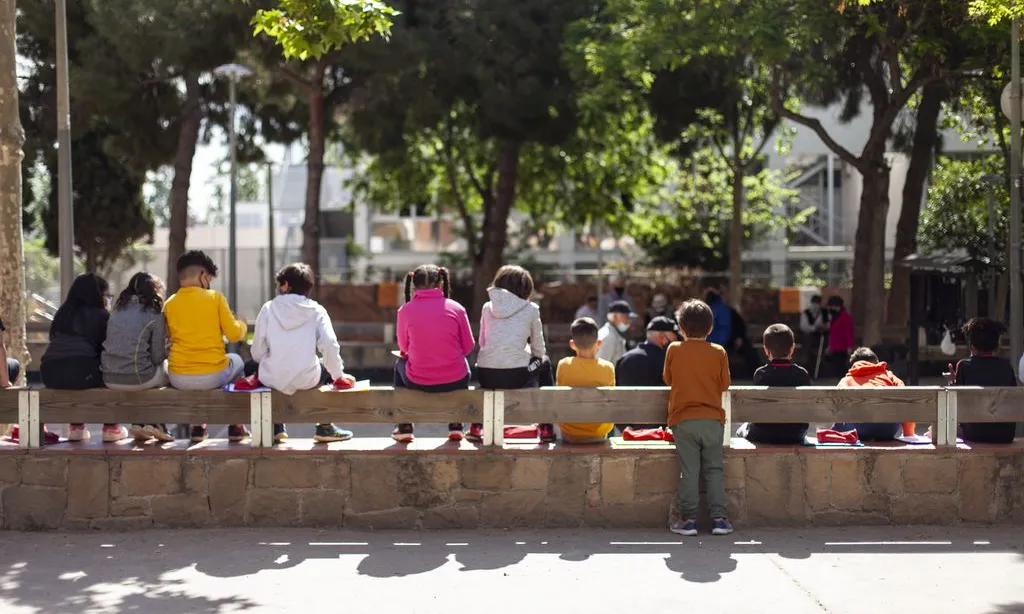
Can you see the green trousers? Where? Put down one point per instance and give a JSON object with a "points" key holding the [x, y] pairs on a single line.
{"points": [[699, 446]]}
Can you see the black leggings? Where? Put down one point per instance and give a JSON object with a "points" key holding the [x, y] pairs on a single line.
{"points": [[72, 374], [253, 368], [538, 374]]}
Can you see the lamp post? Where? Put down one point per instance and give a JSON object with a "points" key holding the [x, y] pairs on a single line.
{"points": [[1011, 106], [65, 208], [234, 73]]}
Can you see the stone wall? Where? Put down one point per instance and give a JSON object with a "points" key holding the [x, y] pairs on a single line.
{"points": [[470, 489]]}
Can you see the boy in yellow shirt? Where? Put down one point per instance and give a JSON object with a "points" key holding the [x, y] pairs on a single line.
{"points": [[698, 372], [198, 321], [585, 370]]}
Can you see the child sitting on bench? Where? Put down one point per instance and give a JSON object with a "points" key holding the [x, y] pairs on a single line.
{"points": [[585, 370], [984, 368], [779, 343]]}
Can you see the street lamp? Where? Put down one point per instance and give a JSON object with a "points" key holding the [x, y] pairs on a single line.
{"points": [[234, 73]]}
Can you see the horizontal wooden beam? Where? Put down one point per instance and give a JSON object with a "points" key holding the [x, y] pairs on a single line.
{"points": [[820, 404], [146, 406], [9, 406], [989, 404], [559, 404], [379, 405]]}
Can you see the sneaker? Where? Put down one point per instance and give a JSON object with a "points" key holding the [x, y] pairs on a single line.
{"points": [[158, 432], [78, 432], [199, 433], [280, 435], [114, 432], [402, 433], [684, 527], [721, 526], [454, 431], [237, 432], [139, 433], [326, 433], [48, 438], [476, 433], [547, 433]]}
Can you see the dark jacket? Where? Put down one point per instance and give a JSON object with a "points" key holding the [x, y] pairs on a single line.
{"points": [[641, 366], [783, 374], [986, 371], [83, 342]]}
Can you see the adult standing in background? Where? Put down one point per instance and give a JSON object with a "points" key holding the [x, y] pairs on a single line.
{"points": [[617, 293], [721, 331], [588, 309], [841, 338], [814, 323], [659, 309], [644, 365], [612, 334]]}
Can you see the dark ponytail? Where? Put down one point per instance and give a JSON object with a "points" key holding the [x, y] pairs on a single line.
{"points": [[428, 276], [408, 286], [446, 284]]}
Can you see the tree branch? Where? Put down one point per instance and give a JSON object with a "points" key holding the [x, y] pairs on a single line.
{"points": [[469, 228], [295, 78], [813, 124]]}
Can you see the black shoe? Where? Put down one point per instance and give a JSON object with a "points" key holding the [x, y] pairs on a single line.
{"points": [[237, 432], [454, 431], [280, 434], [199, 433], [403, 432]]}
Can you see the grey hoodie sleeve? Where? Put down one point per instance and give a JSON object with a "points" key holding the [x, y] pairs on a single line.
{"points": [[158, 340], [538, 348]]}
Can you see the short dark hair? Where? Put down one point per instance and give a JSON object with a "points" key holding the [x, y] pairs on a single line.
{"points": [[779, 341], [695, 318], [983, 334], [835, 301], [816, 299], [591, 299], [583, 333], [515, 279], [298, 276], [193, 260], [863, 355]]}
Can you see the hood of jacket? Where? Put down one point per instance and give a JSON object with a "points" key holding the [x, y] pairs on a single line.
{"points": [[504, 304], [292, 311], [873, 374]]}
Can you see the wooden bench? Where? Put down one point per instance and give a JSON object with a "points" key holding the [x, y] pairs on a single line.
{"points": [[942, 407]]}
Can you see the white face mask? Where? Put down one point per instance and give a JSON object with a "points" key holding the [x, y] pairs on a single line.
{"points": [[622, 327]]}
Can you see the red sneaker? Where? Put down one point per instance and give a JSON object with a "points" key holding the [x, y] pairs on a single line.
{"points": [[547, 433], [455, 431], [476, 433]]}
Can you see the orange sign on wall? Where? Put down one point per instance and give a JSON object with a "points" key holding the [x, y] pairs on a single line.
{"points": [[388, 294], [789, 300]]}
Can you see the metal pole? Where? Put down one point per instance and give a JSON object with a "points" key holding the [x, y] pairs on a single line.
{"points": [[1016, 299], [270, 231], [65, 208], [991, 255], [232, 198]]}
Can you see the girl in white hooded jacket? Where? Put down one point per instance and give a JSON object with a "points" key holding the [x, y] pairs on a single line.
{"points": [[290, 331], [512, 350]]}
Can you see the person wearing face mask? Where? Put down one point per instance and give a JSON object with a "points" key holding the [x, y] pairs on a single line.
{"points": [[645, 364], [814, 322], [841, 339], [613, 334], [615, 294], [659, 308]]}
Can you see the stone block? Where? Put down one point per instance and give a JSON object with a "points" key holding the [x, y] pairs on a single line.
{"points": [[424, 481], [88, 488], [885, 473], [657, 475], [563, 510], [33, 508], [849, 486], [404, 518], [287, 473], [374, 484], [181, 511], [130, 506], [195, 476], [775, 489], [44, 472], [490, 472], [649, 513], [151, 476], [468, 496], [836, 518], [924, 509], [512, 509], [817, 481], [530, 473], [929, 474], [228, 482], [272, 508], [569, 476], [9, 469], [453, 517], [130, 523], [334, 474], [618, 483], [323, 508], [735, 472], [978, 491]]}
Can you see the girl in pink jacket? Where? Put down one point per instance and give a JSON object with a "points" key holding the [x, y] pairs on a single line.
{"points": [[434, 339]]}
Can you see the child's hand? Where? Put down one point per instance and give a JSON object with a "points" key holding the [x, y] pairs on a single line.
{"points": [[346, 377]]}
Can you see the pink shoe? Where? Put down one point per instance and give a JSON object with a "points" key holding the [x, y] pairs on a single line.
{"points": [[78, 432], [114, 432]]}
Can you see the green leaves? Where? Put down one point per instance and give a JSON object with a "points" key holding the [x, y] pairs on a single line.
{"points": [[996, 11], [311, 28]]}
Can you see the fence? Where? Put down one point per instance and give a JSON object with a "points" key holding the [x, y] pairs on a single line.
{"points": [[941, 407]]}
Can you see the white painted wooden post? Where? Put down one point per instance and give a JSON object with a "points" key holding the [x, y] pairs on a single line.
{"points": [[945, 435], [28, 418], [261, 420], [488, 419], [498, 404], [727, 407]]}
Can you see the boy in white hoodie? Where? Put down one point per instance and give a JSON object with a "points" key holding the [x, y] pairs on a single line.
{"points": [[290, 330]]}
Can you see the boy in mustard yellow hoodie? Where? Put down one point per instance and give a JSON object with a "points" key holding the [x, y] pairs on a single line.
{"points": [[698, 372], [198, 321]]}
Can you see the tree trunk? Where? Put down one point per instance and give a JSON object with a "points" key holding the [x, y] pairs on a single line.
{"points": [[922, 155], [869, 250], [494, 231], [12, 249], [736, 236], [188, 135], [314, 173]]}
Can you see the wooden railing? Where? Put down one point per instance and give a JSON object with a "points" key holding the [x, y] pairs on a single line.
{"points": [[941, 407]]}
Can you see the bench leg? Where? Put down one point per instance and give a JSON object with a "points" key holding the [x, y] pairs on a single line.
{"points": [[261, 420], [28, 418], [727, 407]]}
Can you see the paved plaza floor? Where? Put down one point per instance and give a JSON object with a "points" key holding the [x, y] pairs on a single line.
{"points": [[843, 570]]}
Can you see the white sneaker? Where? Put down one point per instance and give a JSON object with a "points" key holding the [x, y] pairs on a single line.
{"points": [[78, 432], [138, 433], [114, 433], [158, 433]]}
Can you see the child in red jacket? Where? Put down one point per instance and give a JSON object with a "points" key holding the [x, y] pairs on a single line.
{"points": [[867, 371]]}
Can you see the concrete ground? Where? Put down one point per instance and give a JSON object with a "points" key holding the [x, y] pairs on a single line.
{"points": [[843, 570]]}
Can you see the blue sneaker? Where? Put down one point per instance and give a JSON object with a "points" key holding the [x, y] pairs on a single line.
{"points": [[686, 527], [326, 433], [721, 526]]}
